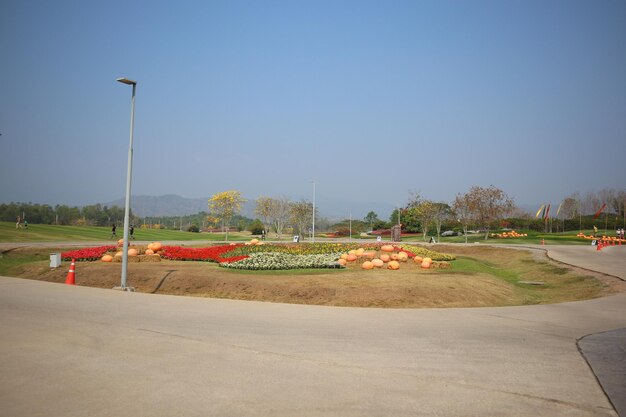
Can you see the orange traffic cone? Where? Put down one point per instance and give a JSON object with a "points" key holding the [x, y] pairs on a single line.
{"points": [[71, 275]]}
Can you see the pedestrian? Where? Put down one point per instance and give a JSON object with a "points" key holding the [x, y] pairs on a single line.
{"points": [[595, 231], [113, 231], [263, 235], [25, 224], [18, 225], [132, 230]]}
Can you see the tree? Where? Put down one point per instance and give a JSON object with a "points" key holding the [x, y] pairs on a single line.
{"points": [[424, 212], [265, 209], [370, 218], [225, 205], [281, 211], [462, 212], [301, 215], [441, 212], [487, 205]]}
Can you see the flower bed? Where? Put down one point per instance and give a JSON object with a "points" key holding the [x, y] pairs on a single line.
{"points": [[87, 254], [275, 261], [210, 254], [413, 251]]}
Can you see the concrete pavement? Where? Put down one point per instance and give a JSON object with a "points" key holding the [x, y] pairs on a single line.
{"points": [[75, 351]]}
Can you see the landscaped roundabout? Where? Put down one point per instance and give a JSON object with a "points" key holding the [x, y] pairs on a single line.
{"points": [[339, 274]]}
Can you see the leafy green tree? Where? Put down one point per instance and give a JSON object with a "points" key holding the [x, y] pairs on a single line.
{"points": [[370, 218]]}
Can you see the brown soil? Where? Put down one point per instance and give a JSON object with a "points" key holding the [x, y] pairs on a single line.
{"points": [[408, 287]]}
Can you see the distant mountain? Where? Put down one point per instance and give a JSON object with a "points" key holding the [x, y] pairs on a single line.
{"points": [[164, 205]]}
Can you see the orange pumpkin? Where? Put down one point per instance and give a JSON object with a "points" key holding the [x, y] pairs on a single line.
{"points": [[342, 261], [107, 258], [156, 246], [367, 265], [149, 252], [378, 263], [386, 248], [403, 256], [394, 256], [132, 252], [351, 257], [120, 242], [384, 257], [427, 259], [360, 252], [425, 265], [118, 253], [393, 265], [254, 241], [344, 256], [418, 259]]}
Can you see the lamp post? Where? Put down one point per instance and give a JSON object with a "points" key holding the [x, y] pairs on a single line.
{"points": [[313, 235], [129, 174]]}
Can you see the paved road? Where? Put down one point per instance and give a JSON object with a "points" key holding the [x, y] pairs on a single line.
{"points": [[75, 351]]}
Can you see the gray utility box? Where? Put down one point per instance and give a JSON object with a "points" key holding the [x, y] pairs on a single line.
{"points": [[55, 260]]}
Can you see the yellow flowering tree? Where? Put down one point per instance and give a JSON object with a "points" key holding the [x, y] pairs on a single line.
{"points": [[225, 205]]}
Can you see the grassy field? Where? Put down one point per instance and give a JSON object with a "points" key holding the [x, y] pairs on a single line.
{"points": [[53, 233]]}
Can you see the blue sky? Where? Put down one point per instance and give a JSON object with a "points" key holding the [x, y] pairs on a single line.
{"points": [[371, 100]]}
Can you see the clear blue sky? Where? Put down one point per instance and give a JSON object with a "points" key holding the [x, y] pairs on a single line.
{"points": [[369, 99]]}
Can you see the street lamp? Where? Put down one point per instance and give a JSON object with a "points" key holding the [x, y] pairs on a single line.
{"points": [[313, 235], [129, 174]]}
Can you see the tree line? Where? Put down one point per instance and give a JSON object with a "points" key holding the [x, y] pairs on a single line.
{"points": [[91, 215]]}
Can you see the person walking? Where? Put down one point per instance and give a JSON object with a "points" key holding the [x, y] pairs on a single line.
{"points": [[131, 229], [113, 231], [18, 225]]}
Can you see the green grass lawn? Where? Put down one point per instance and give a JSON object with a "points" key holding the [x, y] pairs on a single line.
{"points": [[54, 233]]}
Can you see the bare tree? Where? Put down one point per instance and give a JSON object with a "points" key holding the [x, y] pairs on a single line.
{"points": [[488, 205], [265, 210], [281, 210], [461, 210], [300, 217]]}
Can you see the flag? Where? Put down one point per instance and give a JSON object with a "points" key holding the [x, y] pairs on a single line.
{"points": [[539, 211], [547, 213], [558, 210], [595, 216]]}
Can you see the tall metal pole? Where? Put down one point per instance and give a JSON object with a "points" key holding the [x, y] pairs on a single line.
{"points": [[129, 174], [313, 236]]}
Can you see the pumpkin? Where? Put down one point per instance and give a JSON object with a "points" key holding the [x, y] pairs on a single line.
{"points": [[425, 265], [118, 253], [359, 252], [352, 252], [120, 242], [367, 265], [418, 259], [156, 246], [386, 248], [427, 259], [344, 256], [384, 257], [394, 256], [342, 262], [132, 252], [393, 265], [403, 256], [369, 254], [378, 263], [254, 241], [107, 258], [351, 257], [149, 252]]}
